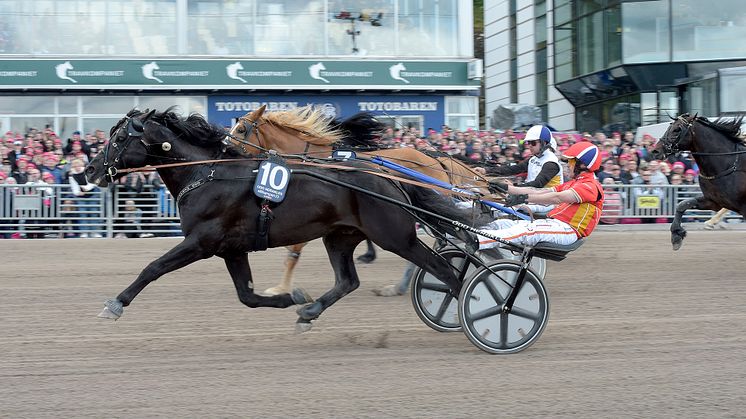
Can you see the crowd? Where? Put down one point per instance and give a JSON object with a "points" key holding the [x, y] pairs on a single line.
{"points": [[40, 158], [625, 160]]}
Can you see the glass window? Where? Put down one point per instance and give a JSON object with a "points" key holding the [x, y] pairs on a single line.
{"points": [[708, 29], [584, 7], [90, 125], [23, 124], [428, 28], [67, 104], [590, 40], [289, 27], [541, 88], [65, 127], [461, 104], [220, 28], [374, 29], [649, 108], [462, 112], [645, 36], [540, 31], [26, 105], [613, 26], [107, 104], [563, 62], [732, 89], [96, 27], [562, 12]]}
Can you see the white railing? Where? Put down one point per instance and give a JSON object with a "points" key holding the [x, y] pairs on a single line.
{"points": [[53, 211]]}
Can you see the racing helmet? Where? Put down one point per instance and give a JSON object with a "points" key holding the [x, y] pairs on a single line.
{"points": [[543, 134], [586, 153]]}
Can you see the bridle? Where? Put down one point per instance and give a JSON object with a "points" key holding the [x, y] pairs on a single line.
{"points": [[135, 130], [253, 129], [671, 146]]}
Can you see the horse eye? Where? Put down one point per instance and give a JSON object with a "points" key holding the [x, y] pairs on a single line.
{"points": [[241, 129]]}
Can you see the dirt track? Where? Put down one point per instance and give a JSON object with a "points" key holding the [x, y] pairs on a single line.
{"points": [[635, 330]]}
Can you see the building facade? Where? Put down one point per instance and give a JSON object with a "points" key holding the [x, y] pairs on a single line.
{"points": [[615, 64], [85, 64]]}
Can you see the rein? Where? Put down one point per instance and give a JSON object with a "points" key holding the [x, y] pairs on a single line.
{"points": [[195, 185], [436, 166]]}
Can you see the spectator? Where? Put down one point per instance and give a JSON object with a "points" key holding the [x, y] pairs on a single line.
{"points": [[15, 154], [20, 174], [690, 177], [677, 168], [613, 207], [656, 195], [130, 226], [83, 192], [656, 176]]}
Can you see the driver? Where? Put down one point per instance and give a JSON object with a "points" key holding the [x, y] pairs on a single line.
{"points": [[578, 204], [542, 169]]}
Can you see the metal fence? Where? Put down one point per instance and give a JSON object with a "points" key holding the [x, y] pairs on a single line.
{"points": [[53, 211]]}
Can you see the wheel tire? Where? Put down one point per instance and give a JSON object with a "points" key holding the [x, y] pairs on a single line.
{"points": [[430, 297], [479, 309]]}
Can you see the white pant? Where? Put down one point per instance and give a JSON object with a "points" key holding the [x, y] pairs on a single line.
{"points": [[528, 232]]}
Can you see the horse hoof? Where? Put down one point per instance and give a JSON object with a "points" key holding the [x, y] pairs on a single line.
{"points": [[388, 291], [276, 291], [677, 242], [113, 310], [300, 296], [302, 327], [366, 258]]}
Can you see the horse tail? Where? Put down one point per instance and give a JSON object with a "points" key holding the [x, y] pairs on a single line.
{"points": [[361, 130]]}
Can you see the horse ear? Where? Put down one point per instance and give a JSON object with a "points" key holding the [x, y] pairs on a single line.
{"points": [[148, 114], [254, 116]]}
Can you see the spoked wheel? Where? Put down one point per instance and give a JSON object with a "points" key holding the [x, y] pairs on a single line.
{"points": [[430, 297], [484, 321]]}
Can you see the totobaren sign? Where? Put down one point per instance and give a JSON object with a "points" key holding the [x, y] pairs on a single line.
{"points": [[235, 74]]}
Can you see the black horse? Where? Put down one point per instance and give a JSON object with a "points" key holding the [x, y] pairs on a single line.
{"points": [[220, 214], [717, 148]]}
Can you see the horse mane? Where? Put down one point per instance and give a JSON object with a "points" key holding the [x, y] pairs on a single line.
{"points": [[194, 128], [729, 126], [361, 131], [309, 120]]}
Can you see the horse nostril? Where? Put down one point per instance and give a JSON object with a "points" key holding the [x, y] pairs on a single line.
{"points": [[90, 170]]}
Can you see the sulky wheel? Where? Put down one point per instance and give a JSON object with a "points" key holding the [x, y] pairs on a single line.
{"points": [[430, 297], [484, 321]]}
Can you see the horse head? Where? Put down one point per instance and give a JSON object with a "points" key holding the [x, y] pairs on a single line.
{"points": [[678, 137], [246, 126], [126, 148]]}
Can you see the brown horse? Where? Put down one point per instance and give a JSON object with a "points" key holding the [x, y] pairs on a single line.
{"points": [[307, 131]]}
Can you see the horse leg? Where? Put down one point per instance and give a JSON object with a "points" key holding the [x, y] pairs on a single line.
{"points": [[678, 233], [340, 247], [186, 252], [286, 285], [370, 255], [716, 219], [238, 267]]}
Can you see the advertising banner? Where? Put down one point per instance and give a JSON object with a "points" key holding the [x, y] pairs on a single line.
{"points": [[225, 110], [235, 74]]}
